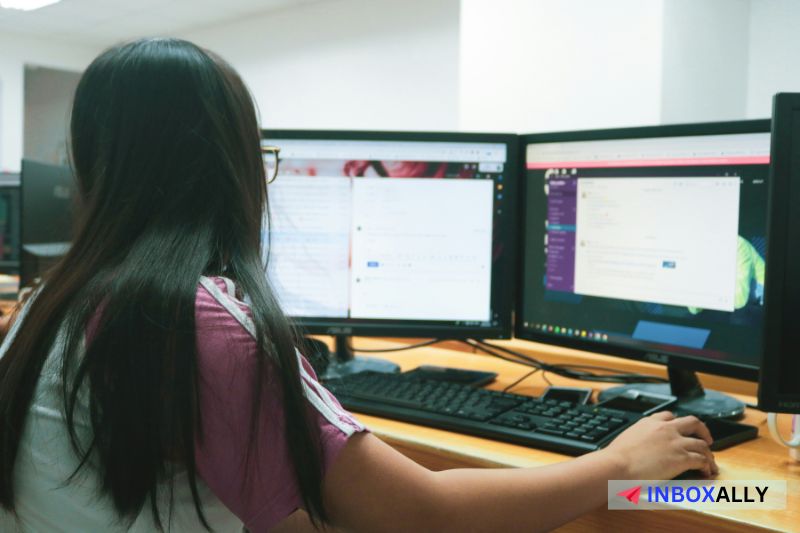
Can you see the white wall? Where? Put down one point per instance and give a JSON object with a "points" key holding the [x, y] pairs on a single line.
{"points": [[704, 63], [774, 53], [538, 65], [15, 52], [48, 97], [513, 65], [361, 64]]}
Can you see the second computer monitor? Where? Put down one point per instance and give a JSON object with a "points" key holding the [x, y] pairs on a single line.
{"points": [[406, 234], [649, 243]]}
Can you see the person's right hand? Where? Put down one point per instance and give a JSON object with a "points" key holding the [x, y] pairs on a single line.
{"points": [[661, 446]]}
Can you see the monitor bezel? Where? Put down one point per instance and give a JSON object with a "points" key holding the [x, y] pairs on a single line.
{"points": [[501, 289], [676, 360], [769, 397]]}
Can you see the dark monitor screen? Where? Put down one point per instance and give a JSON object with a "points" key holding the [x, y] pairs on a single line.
{"points": [[46, 216], [649, 243], [408, 234], [779, 389], [46, 202]]}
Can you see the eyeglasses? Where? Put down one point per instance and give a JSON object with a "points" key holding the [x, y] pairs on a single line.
{"points": [[270, 156]]}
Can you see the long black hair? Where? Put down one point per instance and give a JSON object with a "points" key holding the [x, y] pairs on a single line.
{"points": [[166, 154]]}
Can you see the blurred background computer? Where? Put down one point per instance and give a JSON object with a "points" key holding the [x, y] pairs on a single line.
{"points": [[9, 222], [47, 193], [9, 234]]}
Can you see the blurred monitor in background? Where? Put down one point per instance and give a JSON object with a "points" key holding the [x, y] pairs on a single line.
{"points": [[46, 217], [9, 223]]}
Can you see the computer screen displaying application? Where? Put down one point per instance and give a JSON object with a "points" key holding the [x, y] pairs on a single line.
{"points": [[377, 230], [655, 244]]}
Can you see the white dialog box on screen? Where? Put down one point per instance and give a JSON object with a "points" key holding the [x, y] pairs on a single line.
{"points": [[670, 240], [422, 248]]}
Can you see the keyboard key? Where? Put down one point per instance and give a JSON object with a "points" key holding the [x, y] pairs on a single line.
{"points": [[503, 422]]}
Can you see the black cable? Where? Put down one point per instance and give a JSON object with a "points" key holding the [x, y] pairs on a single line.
{"points": [[398, 349], [523, 378], [496, 354], [508, 351], [576, 371], [494, 350]]}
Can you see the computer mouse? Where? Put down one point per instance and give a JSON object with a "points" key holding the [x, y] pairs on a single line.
{"points": [[690, 474]]}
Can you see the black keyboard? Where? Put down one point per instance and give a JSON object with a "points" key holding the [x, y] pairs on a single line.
{"points": [[563, 427]]}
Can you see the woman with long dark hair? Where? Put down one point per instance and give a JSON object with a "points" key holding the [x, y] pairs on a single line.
{"points": [[138, 390]]}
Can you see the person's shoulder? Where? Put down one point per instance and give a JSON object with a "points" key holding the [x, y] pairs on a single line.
{"points": [[223, 320], [219, 295]]}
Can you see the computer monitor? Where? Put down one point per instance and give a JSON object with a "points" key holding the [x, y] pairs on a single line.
{"points": [[46, 216], [9, 223], [394, 234], [779, 388], [649, 243]]}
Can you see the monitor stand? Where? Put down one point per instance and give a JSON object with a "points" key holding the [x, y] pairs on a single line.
{"points": [[343, 361], [692, 398]]}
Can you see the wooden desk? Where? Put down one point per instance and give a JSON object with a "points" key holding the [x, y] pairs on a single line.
{"points": [[439, 450]]}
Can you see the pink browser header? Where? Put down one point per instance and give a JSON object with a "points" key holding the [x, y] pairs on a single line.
{"points": [[693, 150], [676, 162]]}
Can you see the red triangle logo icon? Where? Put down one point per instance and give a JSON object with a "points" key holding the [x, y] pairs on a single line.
{"points": [[631, 494]]}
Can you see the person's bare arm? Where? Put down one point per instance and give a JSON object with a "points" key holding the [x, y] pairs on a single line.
{"points": [[371, 487]]}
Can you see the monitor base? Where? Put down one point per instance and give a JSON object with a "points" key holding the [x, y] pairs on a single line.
{"points": [[710, 404], [338, 369], [342, 362]]}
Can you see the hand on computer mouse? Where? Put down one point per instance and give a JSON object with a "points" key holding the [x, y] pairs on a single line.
{"points": [[662, 446]]}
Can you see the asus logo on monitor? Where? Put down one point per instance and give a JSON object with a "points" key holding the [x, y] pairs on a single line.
{"points": [[339, 331], [659, 358]]}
